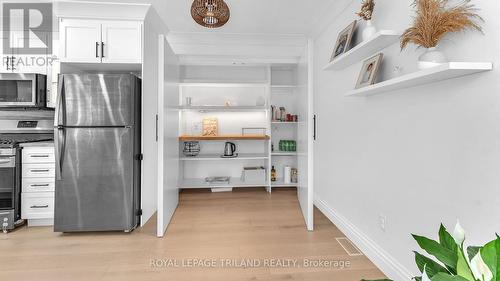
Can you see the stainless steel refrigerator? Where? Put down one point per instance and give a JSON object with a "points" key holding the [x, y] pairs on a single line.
{"points": [[98, 153]]}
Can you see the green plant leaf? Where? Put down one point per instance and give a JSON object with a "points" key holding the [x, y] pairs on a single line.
{"points": [[446, 240], [417, 278], [491, 256], [472, 251], [463, 268], [447, 277], [431, 267], [443, 254]]}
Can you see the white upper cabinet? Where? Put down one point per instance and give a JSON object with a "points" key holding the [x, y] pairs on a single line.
{"points": [[80, 40], [100, 41], [122, 42]]}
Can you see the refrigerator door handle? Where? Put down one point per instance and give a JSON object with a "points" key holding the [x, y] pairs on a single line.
{"points": [[60, 106], [59, 151]]}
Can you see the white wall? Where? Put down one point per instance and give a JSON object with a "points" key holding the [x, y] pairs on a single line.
{"points": [[153, 27], [419, 156], [168, 193]]}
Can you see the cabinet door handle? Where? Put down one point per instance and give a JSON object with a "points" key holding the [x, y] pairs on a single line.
{"points": [[314, 127], [102, 49], [40, 185], [39, 156], [39, 206], [40, 171], [96, 49], [12, 63], [7, 62]]}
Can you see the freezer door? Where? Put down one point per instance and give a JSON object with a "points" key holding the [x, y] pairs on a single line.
{"points": [[96, 100], [95, 182]]}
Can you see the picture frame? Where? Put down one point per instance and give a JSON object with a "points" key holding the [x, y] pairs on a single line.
{"points": [[344, 40], [369, 71], [210, 127]]}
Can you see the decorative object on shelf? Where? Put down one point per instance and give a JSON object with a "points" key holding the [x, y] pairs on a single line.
{"points": [[454, 261], [261, 101], [369, 71], [366, 14], [253, 175], [274, 175], [210, 127], [230, 150], [217, 180], [288, 145], [295, 175], [191, 148], [344, 39], [210, 13], [287, 174], [253, 131], [434, 20]]}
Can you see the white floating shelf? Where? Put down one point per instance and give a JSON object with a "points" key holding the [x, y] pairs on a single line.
{"points": [[282, 123], [363, 50], [281, 183], [222, 108], [217, 157], [284, 86], [284, 154], [228, 84], [233, 182], [427, 76]]}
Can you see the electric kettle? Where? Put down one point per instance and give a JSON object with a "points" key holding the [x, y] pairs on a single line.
{"points": [[230, 149]]}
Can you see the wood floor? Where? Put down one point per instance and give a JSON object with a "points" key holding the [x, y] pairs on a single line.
{"points": [[224, 230]]}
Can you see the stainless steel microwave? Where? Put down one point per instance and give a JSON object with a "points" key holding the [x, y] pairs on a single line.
{"points": [[23, 90]]}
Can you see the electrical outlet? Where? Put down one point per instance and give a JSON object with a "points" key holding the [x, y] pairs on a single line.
{"points": [[382, 219]]}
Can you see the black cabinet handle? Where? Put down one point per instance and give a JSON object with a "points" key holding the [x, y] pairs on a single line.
{"points": [[314, 127], [40, 171], [96, 49], [40, 185], [12, 63], [102, 49], [7, 62]]}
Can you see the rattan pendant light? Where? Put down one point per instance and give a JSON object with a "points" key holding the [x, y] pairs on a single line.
{"points": [[210, 13]]}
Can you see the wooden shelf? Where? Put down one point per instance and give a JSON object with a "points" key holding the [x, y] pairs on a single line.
{"points": [[379, 41], [427, 76], [224, 137], [222, 108], [217, 157], [233, 182]]}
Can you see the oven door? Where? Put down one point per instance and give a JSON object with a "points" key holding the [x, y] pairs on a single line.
{"points": [[18, 90], [7, 182]]}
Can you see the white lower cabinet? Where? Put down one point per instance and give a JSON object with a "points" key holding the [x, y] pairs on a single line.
{"points": [[38, 186]]}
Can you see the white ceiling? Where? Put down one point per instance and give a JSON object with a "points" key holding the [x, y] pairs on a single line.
{"points": [[247, 16]]}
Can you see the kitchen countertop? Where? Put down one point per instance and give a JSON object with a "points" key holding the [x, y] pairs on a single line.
{"points": [[38, 144]]}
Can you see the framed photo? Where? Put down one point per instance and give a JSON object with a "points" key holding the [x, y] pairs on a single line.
{"points": [[344, 41], [369, 71], [210, 127]]}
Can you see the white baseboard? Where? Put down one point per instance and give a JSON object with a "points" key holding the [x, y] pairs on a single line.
{"points": [[383, 260]]}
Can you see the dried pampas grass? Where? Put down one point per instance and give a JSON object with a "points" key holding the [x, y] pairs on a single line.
{"points": [[436, 18], [367, 8]]}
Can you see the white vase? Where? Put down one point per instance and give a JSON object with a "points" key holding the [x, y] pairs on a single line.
{"points": [[369, 30], [431, 58]]}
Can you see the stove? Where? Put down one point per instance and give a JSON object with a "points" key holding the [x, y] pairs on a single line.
{"points": [[12, 134]]}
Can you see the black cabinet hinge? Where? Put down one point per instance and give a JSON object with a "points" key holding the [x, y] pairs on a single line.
{"points": [[139, 157], [139, 212]]}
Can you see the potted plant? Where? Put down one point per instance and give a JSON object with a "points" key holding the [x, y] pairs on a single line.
{"points": [[434, 20], [453, 261], [366, 14]]}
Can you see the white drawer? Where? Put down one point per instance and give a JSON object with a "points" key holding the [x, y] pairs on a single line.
{"points": [[38, 155], [37, 205], [38, 185], [39, 170]]}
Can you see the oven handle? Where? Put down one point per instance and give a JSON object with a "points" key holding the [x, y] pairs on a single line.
{"points": [[59, 151]]}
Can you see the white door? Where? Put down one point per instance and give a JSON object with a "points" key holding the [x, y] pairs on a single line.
{"points": [[121, 42], [305, 136], [80, 40], [168, 134]]}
